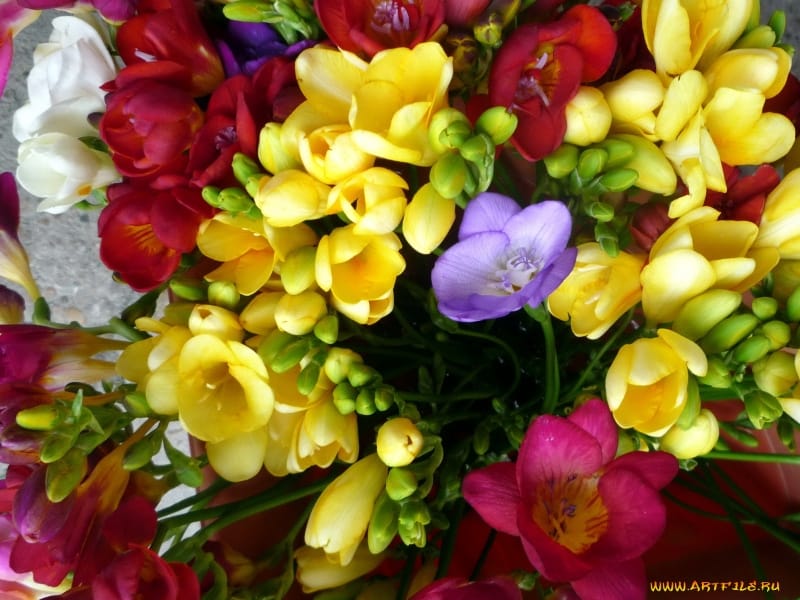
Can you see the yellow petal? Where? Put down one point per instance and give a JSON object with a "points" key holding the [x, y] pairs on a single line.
{"points": [[761, 69], [684, 97], [663, 295], [328, 78], [689, 352], [240, 457], [428, 219]]}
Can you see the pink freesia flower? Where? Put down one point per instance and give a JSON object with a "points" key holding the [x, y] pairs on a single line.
{"points": [[456, 588], [583, 516]]}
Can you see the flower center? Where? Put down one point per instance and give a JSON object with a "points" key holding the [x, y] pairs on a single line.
{"points": [[394, 18], [225, 137], [529, 84], [571, 511], [515, 270]]}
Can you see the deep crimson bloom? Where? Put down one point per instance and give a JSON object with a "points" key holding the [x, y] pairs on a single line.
{"points": [[583, 516], [746, 196], [150, 120], [236, 112], [540, 68], [649, 221], [456, 588], [143, 231], [366, 27], [787, 102], [171, 31]]}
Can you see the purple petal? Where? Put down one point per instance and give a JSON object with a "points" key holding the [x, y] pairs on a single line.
{"points": [[544, 228], [620, 581], [636, 517], [9, 204], [492, 491], [35, 517], [550, 278], [487, 212], [595, 418], [658, 469], [555, 449]]}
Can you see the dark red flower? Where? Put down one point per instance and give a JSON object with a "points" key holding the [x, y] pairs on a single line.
{"points": [[539, 69], [746, 196], [649, 221], [236, 112], [172, 31], [366, 27], [143, 231], [150, 120]]}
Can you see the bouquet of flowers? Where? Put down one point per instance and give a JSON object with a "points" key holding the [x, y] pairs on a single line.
{"points": [[455, 299]]}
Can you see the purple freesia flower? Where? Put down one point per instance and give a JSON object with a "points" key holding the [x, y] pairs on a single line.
{"points": [[506, 257], [584, 516], [244, 47]]}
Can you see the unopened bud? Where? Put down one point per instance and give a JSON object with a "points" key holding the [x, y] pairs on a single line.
{"points": [[249, 11], [701, 313], [762, 36], [697, 439], [793, 305], [245, 167], [448, 129], [382, 524], [140, 453], [188, 289], [399, 441], [297, 271], [600, 211], [57, 444], [365, 402], [762, 408], [307, 378], [656, 174], [591, 163], [271, 152], [234, 199], [498, 123], [259, 315], [216, 321], [448, 174], [360, 374], [298, 313], [339, 362], [477, 149], [728, 332], [752, 349], [224, 294], [327, 329], [776, 373], [43, 417], [562, 161], [290, 355], [401, 483], [718, 374], [619, 179], [778, 333], [588, 117], [619, 152], [764, 307], [384, 398], [344, 398], [64, 475]]}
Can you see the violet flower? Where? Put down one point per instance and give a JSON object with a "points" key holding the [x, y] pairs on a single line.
{"points": [[245, 46], [506, 257], [583, 516]]}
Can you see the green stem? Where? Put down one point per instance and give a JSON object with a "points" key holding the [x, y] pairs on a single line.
{"points": [[196, 499], [449, 543], [552, 388], [515, 364], [761, 457]]}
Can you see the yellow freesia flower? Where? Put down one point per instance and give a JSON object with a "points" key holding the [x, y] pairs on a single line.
{"points": [[374, 200], [697, 439], [298, 313], [240, 457], [647, 383], [588, 117], [316, 571], [708, 253], [684, 34], [633, 100], [222, 389], [291, 197], [357, 268], [339, 519], [215, 320], [598, 291], [780, 221], [388, 103], [366, 312]]}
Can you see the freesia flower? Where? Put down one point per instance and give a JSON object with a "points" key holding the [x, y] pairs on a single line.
{"points": [[598, 291], [746, 195], [13, 259], [366, 27], [456, 588], [315, 570], [339, 519], [506, 257], [62, 170], [779, 222], [244, 47], [647, 383], [573, 504], [539, 69]]}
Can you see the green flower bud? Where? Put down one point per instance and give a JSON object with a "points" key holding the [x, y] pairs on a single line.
{"points": [[140, 453], [699, 315], [619, 179], [752, 349], [793, 305], [211, 195], [193, 290], [383, 524], [480, 439], [591, 163], [449, 128], [607, 238], [718, 374], [344, 398], [400, 483], [777, 22], [764, 307], [338, 363], [477, 149], [307, 379], [414, 511], [44, 417], [488, 29], [235, 200], [360, 374], [224, 294], [742, 436], [384, 398], [786, 431], [412, 534], [290, 355], [57, 444], [137, 405], [498, 123], [778, 333], [762, 36], [297, 270], [365, 402], [562, 161], [762, 408], [244, 168], [275, 341], [776, 373], [327, 329], [728, 332], [64, 475], [448, 175], [692, 407], [619, 152], [600, 211]]}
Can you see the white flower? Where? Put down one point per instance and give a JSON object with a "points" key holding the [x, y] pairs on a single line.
{"points": [[64, 82], [62, 170]]}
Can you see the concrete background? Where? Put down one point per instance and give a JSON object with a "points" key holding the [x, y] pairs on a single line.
{"points": [[63, 248]]}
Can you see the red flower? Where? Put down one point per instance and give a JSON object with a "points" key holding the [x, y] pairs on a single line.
{"points": [[171, 30], [150, 120], [236, 112], [574, 505], [539, 69], [456, 588], [746, 196], [366, 27], [143, 231]]}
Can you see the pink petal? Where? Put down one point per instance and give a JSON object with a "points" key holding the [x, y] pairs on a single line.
{"points": [[554, 561], [554, 449], [656, 468], [492, 492], [620, 581], [595, 418], [636, 517]]}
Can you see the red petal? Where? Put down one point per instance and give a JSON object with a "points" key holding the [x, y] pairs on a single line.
{"points": [[595, 418], [492, 491], [595, 39], [619, 581]]}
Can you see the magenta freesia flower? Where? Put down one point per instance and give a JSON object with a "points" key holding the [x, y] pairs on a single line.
{"points": [[583, 516], [457, 588], [506, 257]]}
